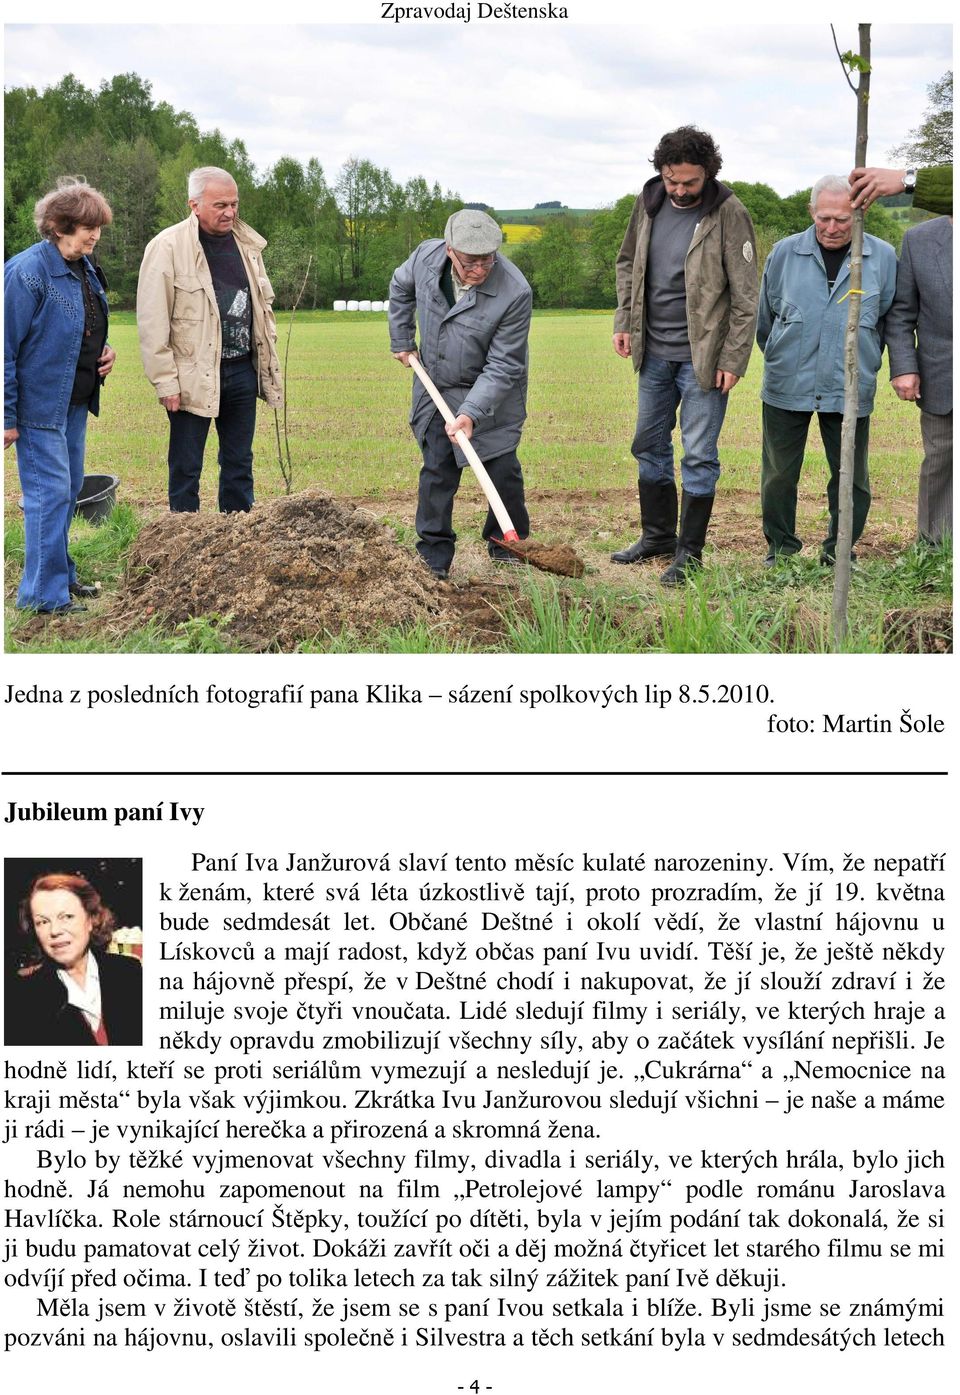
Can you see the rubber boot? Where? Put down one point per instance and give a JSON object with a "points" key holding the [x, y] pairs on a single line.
{"points": [[694, 518], [658, 522]]}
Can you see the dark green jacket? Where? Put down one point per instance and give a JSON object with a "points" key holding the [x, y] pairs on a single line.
{"points": [[934, 190]]}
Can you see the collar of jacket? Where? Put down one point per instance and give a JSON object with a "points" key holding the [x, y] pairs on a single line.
{"points": [[807, 245], [245, 235], [654, 194], [491, 285], [938, 229], [56, 263], [46, 981], [50, 991]]}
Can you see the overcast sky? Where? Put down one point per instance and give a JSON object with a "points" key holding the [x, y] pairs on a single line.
{"points": [[518, 114]]}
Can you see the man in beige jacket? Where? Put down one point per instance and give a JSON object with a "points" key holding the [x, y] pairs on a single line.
{"points": [[208, 339]]}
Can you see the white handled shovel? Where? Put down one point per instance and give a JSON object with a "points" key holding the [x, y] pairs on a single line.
{"points": [[510, 534]]}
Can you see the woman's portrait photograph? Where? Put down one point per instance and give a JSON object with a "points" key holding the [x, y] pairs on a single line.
{"points": [[73, 948]]}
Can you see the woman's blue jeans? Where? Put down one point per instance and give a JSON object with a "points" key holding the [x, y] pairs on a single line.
{"points": [[50, 464], [662, 388]]}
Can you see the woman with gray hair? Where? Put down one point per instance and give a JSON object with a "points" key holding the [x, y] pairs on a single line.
{"points": [[56, 356]]}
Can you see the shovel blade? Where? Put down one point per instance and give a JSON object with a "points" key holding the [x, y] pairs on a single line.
{"points": [[559, 559]]}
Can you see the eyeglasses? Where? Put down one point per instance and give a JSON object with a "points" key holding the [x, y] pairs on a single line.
{"points": [[468, 263]]}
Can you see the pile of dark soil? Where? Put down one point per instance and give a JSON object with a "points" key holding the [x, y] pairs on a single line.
{"points": [[290, 570]]}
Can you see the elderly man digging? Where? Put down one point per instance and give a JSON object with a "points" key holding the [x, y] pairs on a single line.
{"points": [[800, 329], [473, 309]]}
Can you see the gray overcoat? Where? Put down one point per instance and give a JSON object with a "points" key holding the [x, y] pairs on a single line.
{"points": [[475, 352], [919, 323]]}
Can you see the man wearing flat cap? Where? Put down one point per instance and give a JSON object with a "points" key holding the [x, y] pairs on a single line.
{"points": [[473, 310]]}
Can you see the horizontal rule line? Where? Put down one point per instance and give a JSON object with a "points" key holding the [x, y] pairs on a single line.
{"points": [[481, 774]]}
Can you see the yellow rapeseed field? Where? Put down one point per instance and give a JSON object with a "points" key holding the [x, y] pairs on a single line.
{"points": [[521, 232]]}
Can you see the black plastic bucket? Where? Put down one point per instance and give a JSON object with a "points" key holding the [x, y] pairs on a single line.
{"points": [[97, 497]]}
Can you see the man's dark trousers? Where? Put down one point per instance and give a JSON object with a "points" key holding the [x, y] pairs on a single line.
{"points": [[439, 482], [784, 441], [235, 426]]}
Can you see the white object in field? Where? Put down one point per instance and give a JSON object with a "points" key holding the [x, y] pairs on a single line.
{"points": [[339, 305], [386, 305], [376, 305], [353, 305], [363, 305], [463, 441]]}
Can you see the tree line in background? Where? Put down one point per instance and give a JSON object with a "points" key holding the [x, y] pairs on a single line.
{"points": [[138, 152], [351, 232]]}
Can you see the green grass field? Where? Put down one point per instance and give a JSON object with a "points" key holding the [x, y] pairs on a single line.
{"points": [[347, 420]]}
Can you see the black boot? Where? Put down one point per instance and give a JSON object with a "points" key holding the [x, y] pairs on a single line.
{"points": [[694, 517], [658, 520]]}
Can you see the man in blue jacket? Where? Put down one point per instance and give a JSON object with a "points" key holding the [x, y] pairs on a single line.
{"points": [[473, 309], [800, 329]]}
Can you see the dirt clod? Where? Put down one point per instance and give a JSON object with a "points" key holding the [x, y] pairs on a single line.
{"points": [[290, 570], [557, 558]]}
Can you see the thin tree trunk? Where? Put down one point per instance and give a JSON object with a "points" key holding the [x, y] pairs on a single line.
{"points": [[283, 448], [851, 369]]}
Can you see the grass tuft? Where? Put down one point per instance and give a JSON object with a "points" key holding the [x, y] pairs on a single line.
{"points": [[554, 620]]}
